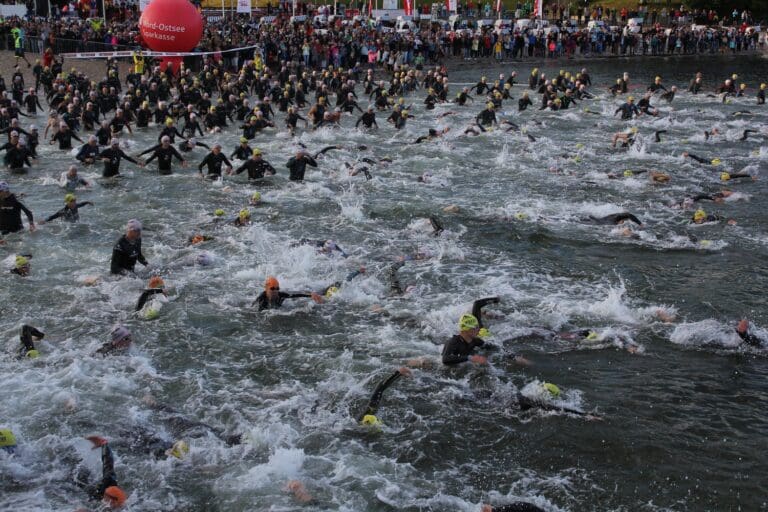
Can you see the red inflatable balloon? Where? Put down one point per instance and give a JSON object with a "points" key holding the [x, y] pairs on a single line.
{"points": [[171, 26]]}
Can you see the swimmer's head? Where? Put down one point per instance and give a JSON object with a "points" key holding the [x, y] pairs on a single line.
{"points": [[255, 197], [180, 449], [218, 212], [369, 420], [699, 215], [553, 390], [724, 176], [114, 496], [204, 259], [468, 322], [156, 282], [69, 198]]}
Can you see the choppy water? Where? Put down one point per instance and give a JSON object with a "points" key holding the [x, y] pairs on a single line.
{"points": [[684, 419]]}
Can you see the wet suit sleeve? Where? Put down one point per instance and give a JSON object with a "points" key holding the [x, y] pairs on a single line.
{"points": [[373, 403], [311, 161], [145, 295], [127, 157], [750, 339], [454, 352], [26, 335], [204, 162], [176, 153], [26, 211], [108, 476], [698, 159], [477, 308], [150, 150], [526, 403], [242, 167], [56, 215]]}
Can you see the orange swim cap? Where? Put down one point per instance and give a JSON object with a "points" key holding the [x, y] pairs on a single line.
{"points": [[271, 282], [115, 495], [197, 239], [156, 282]]}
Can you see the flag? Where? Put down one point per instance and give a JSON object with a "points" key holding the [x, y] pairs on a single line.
{"points": [[498, 5], [408, 7], [538, 10]]}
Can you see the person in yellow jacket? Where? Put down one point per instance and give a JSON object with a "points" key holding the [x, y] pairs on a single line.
{"points": [[138, 62]]}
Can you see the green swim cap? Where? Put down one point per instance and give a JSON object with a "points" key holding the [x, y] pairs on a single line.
{"points": [[331, 291], [484, 333], [370, 420], [151, 314], [32, 354], [628, 173], [256, 197], [467, 322], [591, 336], [179, 450], [716, 161], [7, 438], [553, 390], [69, 197], [521, 216], [218, 212]]}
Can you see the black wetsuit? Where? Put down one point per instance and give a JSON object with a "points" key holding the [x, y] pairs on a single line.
{"points": [[256, 168], [373, 403], [616, 218], [518, 506], [65, 138], [164, 157], [87, 152], [298, 167], [25, 336], [526, 404], [145, 295], [486, 118], [242, 153], [125, 254], [112, 167], [266, 303], [368, 119], [749, 338], [108, 476], [456, 350], [16, 158], [214, 163], [628, 110], [10, 215], [69, 214]]}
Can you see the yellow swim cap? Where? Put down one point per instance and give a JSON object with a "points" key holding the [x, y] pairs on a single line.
{"points": [[628, 173], [467, 322], [579, 145], [245, 213], [256, 197], [331, 291], [256, 152], [716, 161], [489, 104], [21, 261], [7, 438], [591, 336], [243, 140], [699, 214], [179, 450], [218, 212], [521, 216], [724, 176], [370, 420], [168, 121], [484, 333], [633, 129], [32, 354], [69, 198], [631, 98], [151, 314], [553, 390]]}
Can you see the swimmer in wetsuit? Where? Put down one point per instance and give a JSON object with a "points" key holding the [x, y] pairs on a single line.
{"points": [[27, 336], [112, 157], [368, 416], [70, 211], [518, 506], [742, 329], [164, 153], [127, 250], [256, 166], [107, 488], [273, 298], [214, 160], [614, 218], [526, 403], [154, 287], [120, 339]]}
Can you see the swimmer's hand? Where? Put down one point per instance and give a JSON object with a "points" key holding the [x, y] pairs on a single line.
{"points": [[522, 361], [97, 441], [317, 298], [404, 371], [478, 359], [32, 227]]}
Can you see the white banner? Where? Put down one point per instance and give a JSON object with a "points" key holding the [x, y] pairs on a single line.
{"points": [[143, 4], [244, 6], [147, 53], [389, 4], [451, 5]]}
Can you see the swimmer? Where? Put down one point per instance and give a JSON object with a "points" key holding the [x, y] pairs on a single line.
{"points": [[368, 119], [119, 342], [657, 135], [190, 144], [71, 181], [214, 160], [699, 159], [701, 217], [21, 265], [551, 391], [273, 298], [746, 134], [10, 212], [107, 488], [127, 250], [669, 95], [297, 165], [368, 416], [70, 212], [155, 286], [164, 153], [27, 337], [327, 247], [517, 506], [256, 166], [437, 226], [433, 134], [742, 329], [628, 109], [615, 218]]}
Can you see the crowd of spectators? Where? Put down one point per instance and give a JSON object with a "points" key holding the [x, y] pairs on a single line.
{"points": [[367, 43]]}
